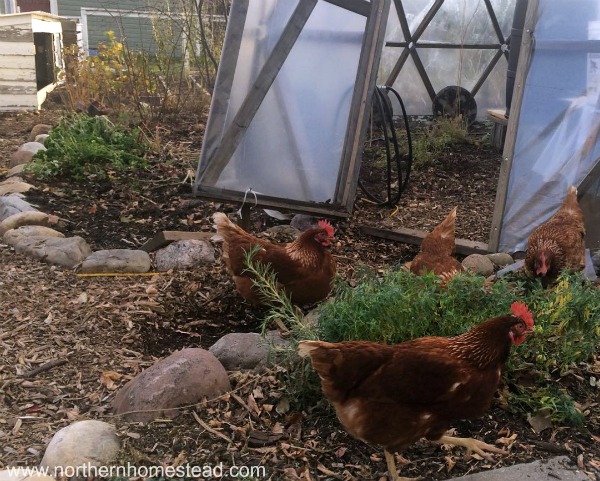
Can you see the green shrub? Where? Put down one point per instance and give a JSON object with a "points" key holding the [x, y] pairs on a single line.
{"points": [[399, 306], [82, 145]]}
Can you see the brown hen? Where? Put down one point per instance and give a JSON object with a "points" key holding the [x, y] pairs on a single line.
{"points": [[437, 251], [394, 395], [305, 268], [557, 244]]}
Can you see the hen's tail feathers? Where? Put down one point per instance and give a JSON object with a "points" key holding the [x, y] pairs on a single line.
{"points": [[221, 220], [305, 348], [446, 228]]}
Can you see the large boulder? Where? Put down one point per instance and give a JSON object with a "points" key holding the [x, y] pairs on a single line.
{"points": [[31, 217], [13, 204], [83, 443], [247, 350], [38, 130], [184, 377], [67, 252], [117, 260], [478, 264], [33, 147], [185, 254], [20, 157], [500, 259]]}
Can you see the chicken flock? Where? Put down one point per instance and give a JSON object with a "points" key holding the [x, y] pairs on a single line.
{"points": [[378, 390]]}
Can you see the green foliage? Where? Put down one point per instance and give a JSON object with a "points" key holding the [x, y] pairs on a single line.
{"points": [[567, 328], [398, 306], [82, 145], [280, 304], [549, 401], [442, 137]]}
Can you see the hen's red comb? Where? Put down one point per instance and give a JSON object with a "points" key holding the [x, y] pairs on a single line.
{"points": [[324, 224], [521, 310]]}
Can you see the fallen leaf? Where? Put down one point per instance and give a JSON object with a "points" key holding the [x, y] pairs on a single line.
{"points": [[540, 421], [108, 378]]}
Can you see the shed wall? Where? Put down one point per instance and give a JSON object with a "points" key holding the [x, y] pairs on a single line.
{"points": [[24, 82], [17, 65]]}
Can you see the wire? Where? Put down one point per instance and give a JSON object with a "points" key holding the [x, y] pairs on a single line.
{"points": [[385, 110]]}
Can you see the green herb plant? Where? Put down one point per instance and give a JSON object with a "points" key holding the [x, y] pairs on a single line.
{"points": [[82, 145]]}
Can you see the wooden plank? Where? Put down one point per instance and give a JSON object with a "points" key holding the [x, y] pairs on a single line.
{"points": [[357, 6], [497, 115], [16, 74], [414, 236], [18, 62], [167, 236], [222, 91], [17, 48], [16, 33], [527, 43], [18, 102], [21, 88], [236, 130], [462, 46], [326, 210], [368, 64]]}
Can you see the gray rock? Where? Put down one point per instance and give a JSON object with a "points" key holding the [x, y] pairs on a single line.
{"points": [[27, 218], [247, 350], [13, 204], [33, 147], [13, 236], [185, 254], [311, 318], [67, 252], [559, 468], [14, 188], [478, 264], [117, 260], [185, 377], [500, 259], [39, 129], [303, 222], [20, 157], [41, 138], [80, 443]]}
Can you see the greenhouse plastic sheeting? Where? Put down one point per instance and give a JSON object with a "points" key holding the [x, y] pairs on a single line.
{"points": [[559, 125], [293, 146]]}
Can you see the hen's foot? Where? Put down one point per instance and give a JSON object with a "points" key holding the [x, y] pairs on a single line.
{"points": [[391, 465], [472, 445]]}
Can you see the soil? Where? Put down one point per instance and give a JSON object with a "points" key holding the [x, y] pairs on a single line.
{"points": [[105, 330]]}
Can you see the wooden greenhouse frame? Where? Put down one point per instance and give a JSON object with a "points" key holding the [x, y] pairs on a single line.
{"points": [[225, 141]]}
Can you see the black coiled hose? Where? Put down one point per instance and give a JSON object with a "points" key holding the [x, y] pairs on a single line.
{"points": [[383, 105]]}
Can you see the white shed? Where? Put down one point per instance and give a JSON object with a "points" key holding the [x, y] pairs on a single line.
{"points": [[30, 58]]}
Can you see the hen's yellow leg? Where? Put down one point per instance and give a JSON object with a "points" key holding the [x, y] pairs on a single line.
{"points": [[472, 445], [391, 465]]}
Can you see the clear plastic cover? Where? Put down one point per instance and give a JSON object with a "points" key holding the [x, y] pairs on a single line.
{"points": [[559, 124], [300, 128]]}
